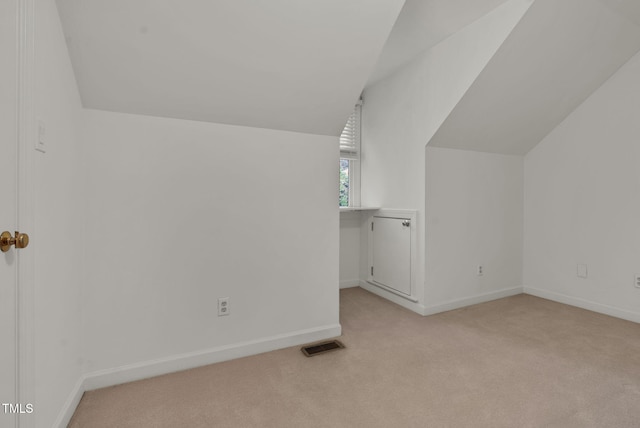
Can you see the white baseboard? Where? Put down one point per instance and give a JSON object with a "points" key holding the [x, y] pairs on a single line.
{"points": [[584, 304], [441, 307], [349, 283], [70, 405], [146, 369], [412, 306], [474, 300]]}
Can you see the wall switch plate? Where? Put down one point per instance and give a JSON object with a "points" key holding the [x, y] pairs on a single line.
{"points": [[223, 306], [637, 280], [582, 271], [41, 137]]}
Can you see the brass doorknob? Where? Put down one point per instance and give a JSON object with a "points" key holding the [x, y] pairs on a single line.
{"points": [[20, 240]]}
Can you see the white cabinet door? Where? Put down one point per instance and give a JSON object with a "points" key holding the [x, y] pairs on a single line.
{"points": [[8, 206], [392, 253]]}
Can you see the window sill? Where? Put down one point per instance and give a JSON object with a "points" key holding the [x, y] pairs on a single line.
{"points": [[349, 209]]}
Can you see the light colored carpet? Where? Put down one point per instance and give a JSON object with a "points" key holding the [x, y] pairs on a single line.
{"points": [[515, 362]]}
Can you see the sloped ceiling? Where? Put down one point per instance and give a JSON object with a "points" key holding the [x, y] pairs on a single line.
{"points": [[423, 24], [560, 52], [281, 64], [628, 8]]}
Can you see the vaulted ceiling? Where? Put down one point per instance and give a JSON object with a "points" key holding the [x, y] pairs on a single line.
{"points": [[558, 54], [300, 66], [423, 24], [281, 64]]}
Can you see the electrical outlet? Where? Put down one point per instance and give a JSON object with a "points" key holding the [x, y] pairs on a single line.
{"points": [[637, 282], [223, 306], [479, 270], [582, 271]]}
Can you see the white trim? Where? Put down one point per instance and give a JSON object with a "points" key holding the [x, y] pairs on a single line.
{"points": [[352, 209], [402, 301], [70, 405], [584, 304], [25, 209], [441, 307], [174, 363], [412, 215], [474, 300], [354, 182], [349, 283], [392, 291]]}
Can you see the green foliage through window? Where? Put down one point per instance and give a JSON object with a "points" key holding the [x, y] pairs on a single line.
{"points": [[344, 182]]}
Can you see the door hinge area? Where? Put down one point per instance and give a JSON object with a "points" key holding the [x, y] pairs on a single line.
{"points": [[371, 270], [372, 226]]}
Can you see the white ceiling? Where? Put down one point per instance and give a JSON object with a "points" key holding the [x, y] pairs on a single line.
{"points": [[281, 64], [630, 9], [422, 24], [559, 53]]}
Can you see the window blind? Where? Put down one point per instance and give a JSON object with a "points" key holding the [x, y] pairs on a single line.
{"points": [[350, 137]]}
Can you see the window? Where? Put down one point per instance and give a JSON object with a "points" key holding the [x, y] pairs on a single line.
{"points": [[349, 191]]}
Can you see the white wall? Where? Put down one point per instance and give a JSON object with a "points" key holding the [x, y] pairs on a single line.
{"points": [[582, 202], [58, 235], [474, 217], [180, 213], [350, 249], [403, 111]]}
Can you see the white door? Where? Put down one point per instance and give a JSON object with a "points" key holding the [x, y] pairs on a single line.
{"points": [[8, 205], [392, 253]]}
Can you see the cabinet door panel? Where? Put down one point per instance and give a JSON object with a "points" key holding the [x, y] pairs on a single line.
{"points": [[392, 253]]}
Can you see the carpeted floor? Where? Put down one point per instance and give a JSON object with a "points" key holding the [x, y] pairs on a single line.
{"points": [[515, 362]]}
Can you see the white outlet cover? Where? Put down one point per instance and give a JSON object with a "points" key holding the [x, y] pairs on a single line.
{"points": [[582, 271], [223, 306]]}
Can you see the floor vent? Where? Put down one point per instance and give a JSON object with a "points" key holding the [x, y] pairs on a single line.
{"points": [[321, 348]]}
